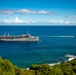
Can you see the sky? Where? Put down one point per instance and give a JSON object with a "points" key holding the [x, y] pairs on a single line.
{"points": [[37, 12]]}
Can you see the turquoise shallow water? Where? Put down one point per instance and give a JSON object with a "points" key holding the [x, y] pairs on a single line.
{"points": [[53, 45]]}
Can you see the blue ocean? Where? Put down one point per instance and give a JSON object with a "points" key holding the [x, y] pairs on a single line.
{"points": [[55, 42]]}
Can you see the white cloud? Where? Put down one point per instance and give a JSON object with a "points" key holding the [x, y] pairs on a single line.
{"points": [[7, 11], [53, 21], [62, 22], [16, 20], [21, 21], [72, 16], [25, 11], [43, 12], [32, 21], [6, 21]]}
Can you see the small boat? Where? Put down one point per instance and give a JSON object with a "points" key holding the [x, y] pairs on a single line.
{"points": [[23, 37]]}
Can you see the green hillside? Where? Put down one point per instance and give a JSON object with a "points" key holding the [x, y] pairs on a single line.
{"points": [[64, 68]]}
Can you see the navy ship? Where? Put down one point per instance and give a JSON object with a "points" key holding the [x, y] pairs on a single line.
{"points": [[25, 37]]}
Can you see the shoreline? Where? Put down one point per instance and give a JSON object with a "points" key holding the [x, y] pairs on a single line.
{"points": [[6, 67]]}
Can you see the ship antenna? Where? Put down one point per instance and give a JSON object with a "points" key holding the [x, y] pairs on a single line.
{"points": [[8, 34], [4, 34]]}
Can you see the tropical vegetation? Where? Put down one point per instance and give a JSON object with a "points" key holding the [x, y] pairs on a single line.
{"points": [[64, 68]]}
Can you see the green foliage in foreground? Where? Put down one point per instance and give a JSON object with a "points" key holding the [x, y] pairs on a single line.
{"points": [[65, 68]]}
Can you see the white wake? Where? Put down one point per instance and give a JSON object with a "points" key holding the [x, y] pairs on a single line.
{"points": [[57, 36]]}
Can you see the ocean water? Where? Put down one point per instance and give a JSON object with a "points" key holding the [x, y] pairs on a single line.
{"points": [[55, 42]]}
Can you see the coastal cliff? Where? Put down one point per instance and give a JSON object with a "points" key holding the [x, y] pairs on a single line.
{"points": [[64, 68]]}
